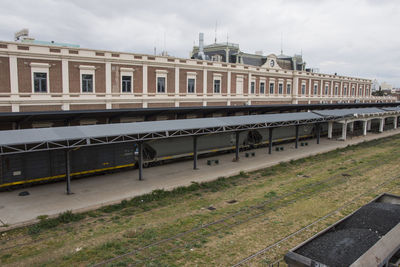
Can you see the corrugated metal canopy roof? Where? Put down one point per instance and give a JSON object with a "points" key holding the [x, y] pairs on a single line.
{"points": [[29, 136], [348, 112], [392, 108]]}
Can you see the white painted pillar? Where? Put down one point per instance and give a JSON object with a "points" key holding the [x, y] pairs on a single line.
{"points": [[15, 107], [108, 79], [309, 88], [145, 81], [65, 106], [249, 86], [330, 128], [351, 126], [381, 124], [365, 128], [395, 122], [65, 77], [13, 75], [344, 131], [369, 125], [204, 83], [177, 83], [229, 85], [341, 89], [295, 88]]}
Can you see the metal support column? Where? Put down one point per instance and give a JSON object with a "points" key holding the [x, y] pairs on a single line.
{"points": [[68, 171], [381, 125], [194, 152], [297, 137], [344, 131], [395, 122], [365, 128], [140, 147], [330, 129], [318, 132], [237, 146], [270, 140]]}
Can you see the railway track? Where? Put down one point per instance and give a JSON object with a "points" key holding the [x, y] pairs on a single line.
{"points": [[239, 217], [242, 216], [65, 227], [271, 246]]}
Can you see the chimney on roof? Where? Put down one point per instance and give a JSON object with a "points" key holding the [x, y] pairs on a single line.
{"points": [[201, 45]]}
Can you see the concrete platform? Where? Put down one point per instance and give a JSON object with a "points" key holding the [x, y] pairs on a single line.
{"points": [[94, 192]]}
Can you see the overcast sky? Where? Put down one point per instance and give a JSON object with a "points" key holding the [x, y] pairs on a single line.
{"points": [[351, 37]]}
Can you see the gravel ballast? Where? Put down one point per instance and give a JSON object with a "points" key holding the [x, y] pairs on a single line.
{"points": [[347, 241]]}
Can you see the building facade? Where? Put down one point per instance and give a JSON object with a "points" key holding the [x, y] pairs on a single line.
{"points": [[45, 77]]}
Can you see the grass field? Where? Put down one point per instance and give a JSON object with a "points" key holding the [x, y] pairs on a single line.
{"points": [[217, 223]]}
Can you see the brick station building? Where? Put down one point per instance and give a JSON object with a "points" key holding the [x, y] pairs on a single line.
{"points": [[37, 77]]}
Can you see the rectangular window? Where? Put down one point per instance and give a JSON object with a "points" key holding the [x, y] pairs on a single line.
{"points": [[345, 90], [40, 82], [217, 86], [161, 85], [262, 88], [360, 91], [352, 91], [252, 87], [239, 86], [326, 89], [315, 89], [126, 84], [87, 83], [336, 90], [280, 88], [190, 84], [288, 89], [303, 89], [271, 88]]}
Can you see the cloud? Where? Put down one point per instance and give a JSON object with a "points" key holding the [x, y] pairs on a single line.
{"points": [[352, 37]]}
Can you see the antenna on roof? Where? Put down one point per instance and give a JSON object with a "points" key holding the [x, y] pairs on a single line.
{"points": [[216, 26], [281, 43], [227, 38], [165, 43]]}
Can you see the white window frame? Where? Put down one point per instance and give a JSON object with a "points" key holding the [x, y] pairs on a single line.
{"points": [[280, 88], [90, 70], [288, 85], [239, 79], [253, 82], [162, 74], [303, 88], [40, 68], [217, 77], [360, 89], [353, 91], [336, 92], [191, 75], [273, 87], [315, 89], [127, 72], [326, 89], [345, 90]]}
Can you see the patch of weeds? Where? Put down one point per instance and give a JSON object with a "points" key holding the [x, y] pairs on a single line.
{"points": [[46, 223], [242, 174], [92, 214], [42, 217], [270, 194], [5, 257]]}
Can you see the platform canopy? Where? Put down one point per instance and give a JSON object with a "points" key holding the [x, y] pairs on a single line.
{"points": [[29, 140], [350, 112]]}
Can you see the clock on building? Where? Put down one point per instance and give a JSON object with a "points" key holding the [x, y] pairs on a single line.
{"points": [[272, 63]]}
